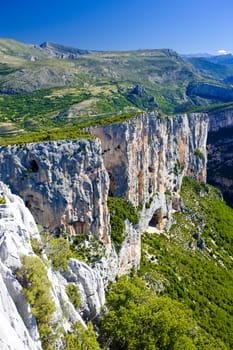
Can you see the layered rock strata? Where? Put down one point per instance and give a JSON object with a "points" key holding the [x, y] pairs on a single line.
{"points": [[148, 156]]}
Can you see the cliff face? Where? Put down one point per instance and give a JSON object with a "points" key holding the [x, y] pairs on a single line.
{"points": [[146, 159], [16, 227], [63, 183], [220, 153], [149, 155]]}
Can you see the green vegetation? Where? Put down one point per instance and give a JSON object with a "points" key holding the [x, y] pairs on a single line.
{"points": [[178, 168], [87, 248], [192, 263], [137, 319], [38, 104], [81, 338], [2, 200], [58, 251], [73, 294], [120, 210], [199, 154], [36, 287], [44, 136]]}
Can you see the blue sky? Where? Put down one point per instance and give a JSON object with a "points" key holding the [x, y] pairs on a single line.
{"points": [[187, 26]]}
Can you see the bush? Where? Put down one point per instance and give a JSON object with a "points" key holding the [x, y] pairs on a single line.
{"points": [[36, 288], [81, 338], [137, 319], [120, 210], [199, 154], [2, 200], [58, 251], [73, 294]]}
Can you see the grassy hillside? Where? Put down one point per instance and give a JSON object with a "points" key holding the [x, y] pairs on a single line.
{"points": [[182, 296], [210, 69], [38, 90], [53, 86], [192, 263]]}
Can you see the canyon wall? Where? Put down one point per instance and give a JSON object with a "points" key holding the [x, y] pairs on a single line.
{"points": [[63, 183], [220, 153], [149, 155]]}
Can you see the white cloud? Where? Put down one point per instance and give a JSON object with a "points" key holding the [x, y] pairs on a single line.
{"points": [[223, 52]]}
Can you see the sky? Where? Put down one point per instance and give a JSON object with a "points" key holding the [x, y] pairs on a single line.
{"points": [[187, 26]]}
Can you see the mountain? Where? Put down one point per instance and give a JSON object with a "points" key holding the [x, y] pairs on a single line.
{"points": [[216, 67], [110, 236]]}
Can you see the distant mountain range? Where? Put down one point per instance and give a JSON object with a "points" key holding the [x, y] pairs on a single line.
{"points": [[52, 85]]}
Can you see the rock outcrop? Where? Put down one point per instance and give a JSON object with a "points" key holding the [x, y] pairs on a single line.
{"points": [[16, 227], [210, 91], [220, 153], [63, 183], [90, 286], [149, 155], [18, 326]]}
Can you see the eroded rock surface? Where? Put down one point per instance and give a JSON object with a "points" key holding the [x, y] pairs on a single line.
{"points": [[220, 153], [63, 183]]}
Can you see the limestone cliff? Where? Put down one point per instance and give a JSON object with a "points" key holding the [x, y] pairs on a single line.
{"points": [[146, 159], [18, 326], [63, 183], [220, 154], [150, 154], [16, 227]]}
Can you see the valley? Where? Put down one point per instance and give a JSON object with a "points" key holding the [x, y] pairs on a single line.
{"points": [[112, 235]]}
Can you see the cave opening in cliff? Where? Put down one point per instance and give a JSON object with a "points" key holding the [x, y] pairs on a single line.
{"points": [[156, 218], [34, 166], [29, 201], [111, 184]]}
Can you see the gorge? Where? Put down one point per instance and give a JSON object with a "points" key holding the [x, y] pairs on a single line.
{"points": [[65, 184], [111, 235]]}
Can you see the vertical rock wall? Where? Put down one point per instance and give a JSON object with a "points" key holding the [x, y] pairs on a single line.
{"points": [[149, 154], [146, 159], [220, 153], [63, 183]]}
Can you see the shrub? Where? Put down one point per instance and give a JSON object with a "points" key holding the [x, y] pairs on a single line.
{"points": [[80, 338], [120, 210], [137, 319], [58, 251], [199, 154], [2, 200], [73, 294], [36, 288]]}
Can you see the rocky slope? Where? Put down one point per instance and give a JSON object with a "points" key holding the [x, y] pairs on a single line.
{"points": [[16, 226], [18, 325]]}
